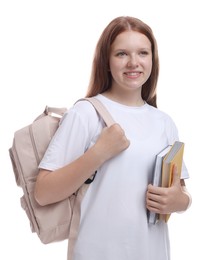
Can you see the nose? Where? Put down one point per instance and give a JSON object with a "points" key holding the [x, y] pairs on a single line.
{"points": [[132, 61]]}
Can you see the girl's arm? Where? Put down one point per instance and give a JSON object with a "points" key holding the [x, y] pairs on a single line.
{"points": [[53, 186]]}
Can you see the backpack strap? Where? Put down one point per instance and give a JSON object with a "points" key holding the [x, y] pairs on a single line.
{"points": [[74, 228], [55, 110], [101, 109]]}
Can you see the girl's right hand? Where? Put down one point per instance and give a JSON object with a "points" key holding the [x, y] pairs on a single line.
{"points": [[111, 142]]}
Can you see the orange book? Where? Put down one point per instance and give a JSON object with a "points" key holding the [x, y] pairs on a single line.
{"points": [[174, 157]]}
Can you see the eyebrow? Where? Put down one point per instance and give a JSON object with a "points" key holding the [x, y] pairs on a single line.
{"points": [[139, 49]]}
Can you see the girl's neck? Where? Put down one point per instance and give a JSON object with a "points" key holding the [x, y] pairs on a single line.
{"points": [[128, 100]]}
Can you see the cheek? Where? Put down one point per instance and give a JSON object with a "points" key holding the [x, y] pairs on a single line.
{"points": [[116, 66], [113, 68], [148, 66]]}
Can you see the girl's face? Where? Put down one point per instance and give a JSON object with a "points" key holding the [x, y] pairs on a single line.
{"points": [[130, 61]]}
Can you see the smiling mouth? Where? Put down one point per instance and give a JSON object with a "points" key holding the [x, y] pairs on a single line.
{"points": [[132, 74]]}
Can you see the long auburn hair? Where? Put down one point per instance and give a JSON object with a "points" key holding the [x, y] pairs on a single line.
{"points": [[101, 78]]}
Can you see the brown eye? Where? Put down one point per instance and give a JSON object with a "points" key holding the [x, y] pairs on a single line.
{"points": [[144, 53], [120, 54]]}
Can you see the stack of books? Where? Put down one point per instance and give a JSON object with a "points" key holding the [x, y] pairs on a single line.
{"points": [[162, 176]]}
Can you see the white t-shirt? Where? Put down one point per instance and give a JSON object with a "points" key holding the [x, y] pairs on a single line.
{"points": [[113, 223]]}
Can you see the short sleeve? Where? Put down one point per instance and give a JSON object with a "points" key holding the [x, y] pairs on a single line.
{"points": [[78, 127], [173, 135]]}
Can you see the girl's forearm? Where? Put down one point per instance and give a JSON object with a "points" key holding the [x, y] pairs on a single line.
{"points": [[53, 186]]}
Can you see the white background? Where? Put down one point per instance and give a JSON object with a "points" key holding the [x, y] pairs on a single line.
{"points": [[46, 50]]}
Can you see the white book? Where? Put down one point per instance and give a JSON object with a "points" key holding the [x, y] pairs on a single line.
{"points": [[157, 179]]}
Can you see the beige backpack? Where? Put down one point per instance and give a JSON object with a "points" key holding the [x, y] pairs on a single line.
{"points": [[60, 220]]}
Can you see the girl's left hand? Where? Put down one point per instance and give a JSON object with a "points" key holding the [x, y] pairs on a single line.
{"points": [[167, 200]]}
